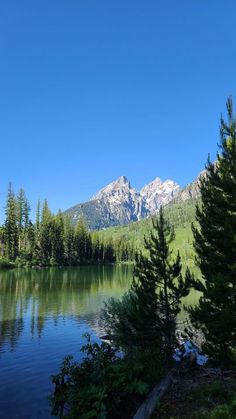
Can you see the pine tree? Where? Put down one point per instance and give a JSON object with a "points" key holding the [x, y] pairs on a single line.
{"points": [[146, 316], [109, 254], [80, 242], [22, 217], [45, 234], [57, 240], [68, 240], [215, 245], [96, 246], [37, 254], [10, 228]]}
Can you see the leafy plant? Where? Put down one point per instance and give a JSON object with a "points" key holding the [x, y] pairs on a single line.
{"points": [[96, 387]]}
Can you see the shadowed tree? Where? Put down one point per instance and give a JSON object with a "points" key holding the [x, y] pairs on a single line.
{"points": [[215, 245], [145, 318], [10, 227]]}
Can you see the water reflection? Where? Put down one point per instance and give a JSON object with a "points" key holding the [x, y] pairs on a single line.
{"points": [[38, 295]]}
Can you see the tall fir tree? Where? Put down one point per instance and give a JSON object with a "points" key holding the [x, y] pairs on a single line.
{"points": [[45, 234], [81, 238], [57, 240], [68, 240], [36, 252], [11, 237], [215, 245], [146, 316], [22, 217]]}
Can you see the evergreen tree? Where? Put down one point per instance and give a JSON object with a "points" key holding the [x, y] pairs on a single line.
{"points": [[10, 228], [80, 242], [30, 248], [57, 240], [68, 241], [37, 254], [22, 217], [109, 254], [215, 244], [45, 234], [146, 316], [96, 256], [38, 217]]}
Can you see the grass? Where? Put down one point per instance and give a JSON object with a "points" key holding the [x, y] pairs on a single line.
{"points": [[200, 396]]}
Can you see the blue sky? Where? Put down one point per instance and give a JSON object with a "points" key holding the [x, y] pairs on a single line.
{"points": [[91, 90]]}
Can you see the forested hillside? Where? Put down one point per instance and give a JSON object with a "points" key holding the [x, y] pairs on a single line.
{"points": [[180, 215]]}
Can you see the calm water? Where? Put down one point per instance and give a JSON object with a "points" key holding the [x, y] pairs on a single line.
{"points": [[43, 315]]}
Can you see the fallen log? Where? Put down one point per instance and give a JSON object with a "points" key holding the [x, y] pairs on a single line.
{"points": [[148, 407]]}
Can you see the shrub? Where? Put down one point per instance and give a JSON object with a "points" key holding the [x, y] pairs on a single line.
{"points": [[102, 382]]}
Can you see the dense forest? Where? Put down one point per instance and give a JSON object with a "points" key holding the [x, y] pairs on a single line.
{"points": [[52, 240]]}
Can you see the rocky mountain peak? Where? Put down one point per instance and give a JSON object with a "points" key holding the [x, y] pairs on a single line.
{"points": [[119, 203], [117, 187], [157, 193], [122, 180]]}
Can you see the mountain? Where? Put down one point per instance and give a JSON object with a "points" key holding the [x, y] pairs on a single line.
{"points": [[119, 203], [122, 201], [190, 192], [157, 193]]}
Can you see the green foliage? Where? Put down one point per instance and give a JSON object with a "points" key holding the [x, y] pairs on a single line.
{"points": [[145, 317], [10, 227], [52, 241], [102, 385], [131, 236], [225, 400], [215, 392], [215, 245], [6, 264], [225, 411]]}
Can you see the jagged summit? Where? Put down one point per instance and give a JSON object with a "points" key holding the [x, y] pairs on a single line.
{"points": [[122, 201], [122, 179], [121, 184], [119, 203], [157, 193]]}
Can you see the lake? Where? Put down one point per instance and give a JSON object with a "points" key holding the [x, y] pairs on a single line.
{"points": [[43, 316]]}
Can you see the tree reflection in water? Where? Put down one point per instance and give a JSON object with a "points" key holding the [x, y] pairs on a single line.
{"points": [[53, 293]]}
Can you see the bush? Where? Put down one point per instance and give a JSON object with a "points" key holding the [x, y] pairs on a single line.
{"points": [[225, 411], [103, 383], [6, 264]]}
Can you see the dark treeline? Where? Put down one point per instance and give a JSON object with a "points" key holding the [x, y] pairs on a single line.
{"points": [[53, 240]]}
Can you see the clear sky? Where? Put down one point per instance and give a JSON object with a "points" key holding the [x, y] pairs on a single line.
{"points": [[94, 89]]}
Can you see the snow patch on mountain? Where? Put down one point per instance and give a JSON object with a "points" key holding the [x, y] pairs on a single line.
{"points": [[157, 193]]}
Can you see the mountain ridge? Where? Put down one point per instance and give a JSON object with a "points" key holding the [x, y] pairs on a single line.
{"points": [[118, 203]]}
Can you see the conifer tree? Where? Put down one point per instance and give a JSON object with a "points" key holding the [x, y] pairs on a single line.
{"points": [[10, 227], [57, 240], [68, 240], [22, 217], [36, 253], [38, 217], [146, 316], [96, 256], [80, 241], [45, 234], [215, 244]]}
